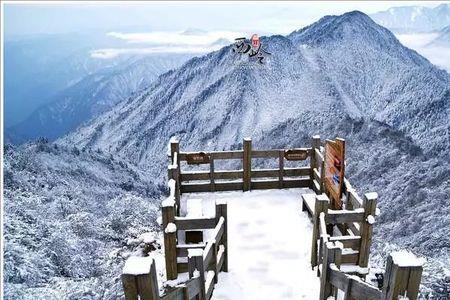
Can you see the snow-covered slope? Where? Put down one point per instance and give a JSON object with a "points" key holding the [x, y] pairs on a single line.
{"points": [[71, 218], [92, 95], [414, 18]]}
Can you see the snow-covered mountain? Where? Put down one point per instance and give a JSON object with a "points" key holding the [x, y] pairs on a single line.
{"points": [[93, 94], [414, 18], [339, 67], [343, 75]]}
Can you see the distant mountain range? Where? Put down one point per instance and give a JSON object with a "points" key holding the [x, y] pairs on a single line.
{"points": [[93, 94], [414, 18]]}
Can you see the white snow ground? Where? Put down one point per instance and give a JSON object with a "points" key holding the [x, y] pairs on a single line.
{"points": [[269, 241]]}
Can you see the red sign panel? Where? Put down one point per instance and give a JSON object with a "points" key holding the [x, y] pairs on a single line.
{"points": [[334, 171]]}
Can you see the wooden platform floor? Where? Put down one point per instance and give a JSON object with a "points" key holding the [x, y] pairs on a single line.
{"points": [[269, 239]]}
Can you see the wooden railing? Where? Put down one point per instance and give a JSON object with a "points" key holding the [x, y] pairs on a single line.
{"points": [[244, 178], [339, 236]]}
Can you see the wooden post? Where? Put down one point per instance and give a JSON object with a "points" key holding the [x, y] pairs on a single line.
{"points": [[247, 164], [142, 282], [170, 238], [400, 279], [221, 211], [175, 174], [321, 205], [370, 205], [281, 168], [211, 173], [315, 144], [195, 268], [332, 253]]}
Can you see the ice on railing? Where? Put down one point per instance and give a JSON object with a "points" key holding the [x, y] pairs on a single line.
{"points": [[136, 265], [353, 269], [194, 207], [370, 219], [405, 258], [170, 228], [168, 202], [195, 252]]}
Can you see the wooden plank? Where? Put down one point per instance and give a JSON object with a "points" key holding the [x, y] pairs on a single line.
{"points": [[301, 171], [354, 228], [354, 199], [193, 287], [219, 229], [415, 276], [195, 187], [273, 184], [316, 187], [354, 288], [344, 216], [195, 263], [176, 293], [182, 249], [229, 186], [205, 175], [318, 156], [206, 187], [316, 175], [273, 153], [220, 257], [350, 258], [247, 165], [208, 255], [184, 223], [221, 212], [209, 284], [237, 154], [259, 173], [349, 241]]}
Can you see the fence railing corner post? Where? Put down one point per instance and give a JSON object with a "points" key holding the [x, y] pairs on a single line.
{"points": [[370, 206], [247, 164]]}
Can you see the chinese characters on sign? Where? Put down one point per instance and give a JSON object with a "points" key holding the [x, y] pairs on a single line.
{"points": [[251, 47], [334, 171]]}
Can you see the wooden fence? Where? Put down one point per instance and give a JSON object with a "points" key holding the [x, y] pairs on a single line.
{"points": [[339, 236]]}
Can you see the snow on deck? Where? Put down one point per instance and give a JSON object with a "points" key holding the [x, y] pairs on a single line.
{"points": [[269, 240]]}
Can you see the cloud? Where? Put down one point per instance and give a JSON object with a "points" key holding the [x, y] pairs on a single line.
{"points": [[108, 53], [157, 42], [438, 55]]}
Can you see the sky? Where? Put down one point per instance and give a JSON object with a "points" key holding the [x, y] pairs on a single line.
{"points": [[25, 18]]}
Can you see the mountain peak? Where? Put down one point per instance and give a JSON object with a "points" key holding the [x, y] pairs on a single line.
{"points": [[352, 25]]}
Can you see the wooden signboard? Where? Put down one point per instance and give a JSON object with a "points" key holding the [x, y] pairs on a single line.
{"points": [[296, 154], [197, 158], [334, 171]]}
